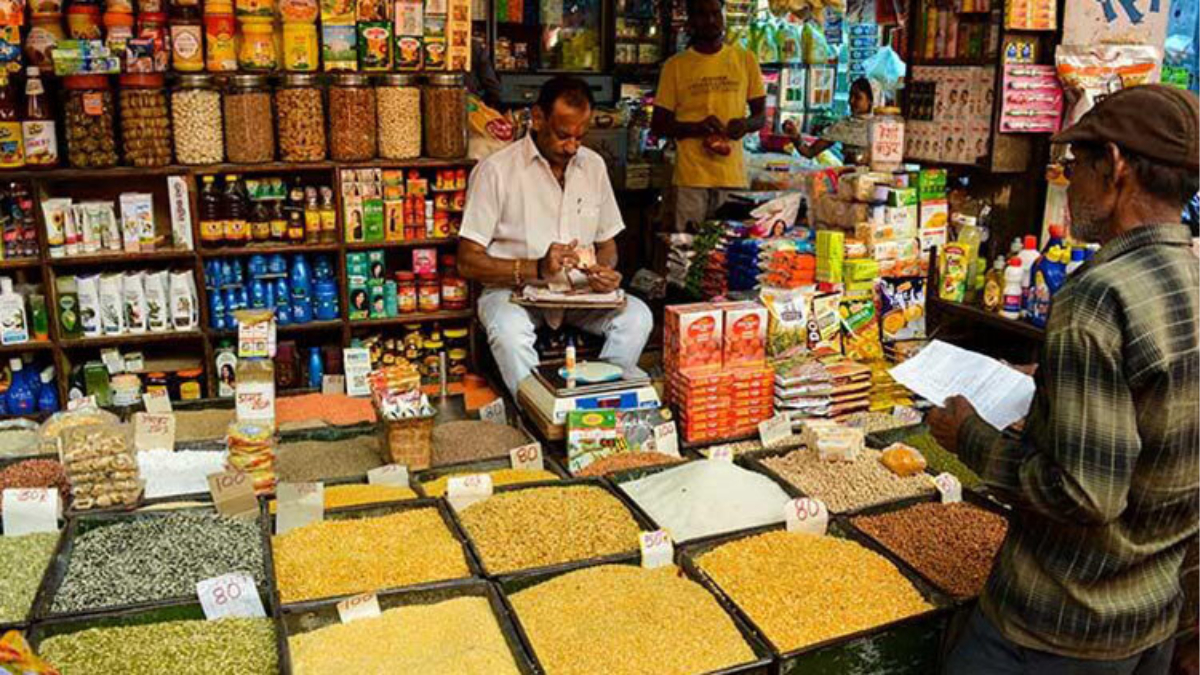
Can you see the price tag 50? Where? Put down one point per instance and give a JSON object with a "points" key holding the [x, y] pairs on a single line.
{"points": [[230, 596], [463, 491], [363, 606], [806, 515], [528, 457], [29, 510], [657, 549], [389, 474], [949, 486]]}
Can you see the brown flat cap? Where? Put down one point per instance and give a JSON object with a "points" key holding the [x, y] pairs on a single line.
{"points": [[1152, 120]]}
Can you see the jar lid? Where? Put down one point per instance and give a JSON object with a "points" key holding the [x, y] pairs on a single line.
{"points": [[257, 24], [142, 80], [300, 80], [447, 80], [156, 375], [83, 9], [248, 80], [54, 17], [112, 19], [350, 80], [153, 17], [399, 80], [433, 344], [405, 276], [455, 333], [218, 7], [191, 372], [85, 82], [412, 327], [458, 354], [195, 80], [427, 276]]}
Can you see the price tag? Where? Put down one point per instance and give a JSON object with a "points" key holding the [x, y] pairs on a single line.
{"points": [[657, 549], [256, 340], [29, 510], [806, 515], [721, 453], [666, 440], [111, 358], [153, 431], [950, 487], [528, 457], [907, 414], [298, 504], [233, 494], [463, 491], [157, 401], [365, 606], [775, 431], [357, 363], [389, 474], [84, 402], [229, 596], [494, 412], [333, 384]]}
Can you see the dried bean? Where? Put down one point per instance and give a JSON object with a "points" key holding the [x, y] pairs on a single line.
{"points": [[624, 461], [455, 637], [242, 646], [196, 114], [351, 123], [145, 127], [754, 445], [847, 486], [399, 122], [951, 544], [873, 422], [146, 559], [537, 527], [320, 460], [470, 440], [35, 473], [249, 127], [633, 618], [24, 560], [341, 557], [801, 589], [437, 486], [202, 425], [301, 124]]}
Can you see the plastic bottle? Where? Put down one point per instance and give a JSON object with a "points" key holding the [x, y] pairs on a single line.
{"points": [[1078, 257], [37, 129], [1048, 276], [12, 143], [993, 286], [212, 229], [237, 229], [14, 325], [316, 368], [1028, 256], [21, 399], [48, 395], [1014, 275]]}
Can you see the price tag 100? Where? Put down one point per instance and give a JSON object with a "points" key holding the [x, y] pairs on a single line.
{"points": [[806, 515], [363, 606], [29, 510], [657, 549], [949, 486], [233, 494], [389, 474], [494, 412], [528, 457], [299, 504], [775, 431], [228, 596], [463, 491], [666, 440]]}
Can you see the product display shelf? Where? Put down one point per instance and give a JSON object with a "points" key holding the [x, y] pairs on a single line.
{"points": [[415, 317], [265, 249], [31, 346], [287, 329], [130, 339], [402, 243], [121, 258], [19, 264], [936, 307]]}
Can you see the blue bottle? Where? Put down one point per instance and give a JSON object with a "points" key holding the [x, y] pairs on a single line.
{"points": [[277, 265], [316, 368], [258, 266], [322, 267], [21, 398], [48, 396], [216, 311], [212, 275], [258, 294], [301, 278], [302, 310], [283, 302]]}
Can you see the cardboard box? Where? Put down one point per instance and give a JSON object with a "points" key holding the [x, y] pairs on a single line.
{"points": [[745, 333]]}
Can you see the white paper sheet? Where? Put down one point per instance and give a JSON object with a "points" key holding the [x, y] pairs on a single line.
{"points": [[1001, 395]]}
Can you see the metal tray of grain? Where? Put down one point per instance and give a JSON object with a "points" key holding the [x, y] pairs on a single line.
{"points": [[484, 466]]}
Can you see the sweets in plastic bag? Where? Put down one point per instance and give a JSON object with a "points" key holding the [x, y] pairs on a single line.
{"points": [[903, 460], [17, 658], [788, 319], [1102, 69], [902, 308]]}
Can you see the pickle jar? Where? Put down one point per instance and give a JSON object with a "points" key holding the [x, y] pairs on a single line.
{"points": [[145, 120], [351, 118], [444, 108], [249, 124], [259, 51], [91, 132], [399, 105], [196, 118], [300, 117]]}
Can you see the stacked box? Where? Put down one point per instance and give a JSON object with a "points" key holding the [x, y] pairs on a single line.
{"points": [[692, 338], [720, 404]]}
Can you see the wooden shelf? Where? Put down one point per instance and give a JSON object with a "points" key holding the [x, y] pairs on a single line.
{"points": [[20, 263], [129, 339], [126, 172], [419, 317], [310, 327], [31, 346], [405, 243], [111, 258], [112, 173], [1010, 326], [266, 249]]}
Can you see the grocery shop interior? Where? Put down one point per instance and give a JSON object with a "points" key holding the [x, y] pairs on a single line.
{"points": [[599, 337]]}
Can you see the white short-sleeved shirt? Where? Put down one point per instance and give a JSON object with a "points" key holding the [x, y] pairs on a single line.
{"points": [[516, 209]]}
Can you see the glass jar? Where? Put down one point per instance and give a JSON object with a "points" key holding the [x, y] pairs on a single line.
{"points": [[156, 382], [258, 53], [456, 338], [886, 133], [44, 35], [351, 118], [444, 112], [406, 292], [196, 117], [399, 117], [187, 40], [301, 119], [301, 49], [190, 388], [249, 126], [454, 290], [456, 364], [83, 22], [91, 134], [219, 31], [429, 293], [145, 121]]}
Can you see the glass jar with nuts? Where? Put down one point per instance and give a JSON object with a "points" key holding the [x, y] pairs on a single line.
{"points": [[145, 121], [444, 103], [91, 133], [249, 124], [351, 118], [399, 106], [196, 116], [301, 119]]}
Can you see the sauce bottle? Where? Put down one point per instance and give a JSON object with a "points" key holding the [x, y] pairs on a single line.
{"points": [[37, 129], [12, 145]]}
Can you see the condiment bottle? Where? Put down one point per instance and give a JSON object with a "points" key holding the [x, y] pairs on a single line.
{"points": [[37, 130], [12, 144], [312, 216]]}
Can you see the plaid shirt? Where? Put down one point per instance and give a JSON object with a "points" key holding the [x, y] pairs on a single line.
{"points": [[1105, 478]]}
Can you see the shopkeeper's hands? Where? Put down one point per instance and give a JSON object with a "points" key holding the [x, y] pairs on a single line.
{"points": [[736, 129], [709, 126], [603, 279], [945, 422], [558, 258]]}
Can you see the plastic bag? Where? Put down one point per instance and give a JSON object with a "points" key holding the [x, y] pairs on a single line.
{"points": [[17, 657], [903, 460], [1099, 70], [52, 429], [790, 42], [885, 69], [860, 329], [788, 322], [902, 307], [814, 48], [489, 130], [776, 216]]}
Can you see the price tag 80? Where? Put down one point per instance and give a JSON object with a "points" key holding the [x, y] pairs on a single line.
{"points": [[230, 595], [806, 515], [528, 457]]}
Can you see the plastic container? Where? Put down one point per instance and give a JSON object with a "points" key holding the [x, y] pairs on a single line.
{"points": [[153, 26], [351, 118], [406, 292], [301, 48], [196, 117], [219, 34], [399, 116], [258, 52], [89, 124], [444, 115], [1028, 256], [1014, 275], [429, 293], [118, 30], [886, 133], [249, 126], [145, 120], [190, 386], [300, 119]]}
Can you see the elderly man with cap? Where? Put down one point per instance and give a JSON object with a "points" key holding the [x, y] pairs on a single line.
{"points": [[1104, 479]]}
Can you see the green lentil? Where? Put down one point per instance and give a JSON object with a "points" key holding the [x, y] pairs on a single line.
{"points": [[305, 461], [223, 647], [24, 560], [156, 558], [940, 460]]}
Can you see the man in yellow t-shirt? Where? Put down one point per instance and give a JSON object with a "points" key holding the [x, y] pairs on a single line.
{"points": [[701, 102]]}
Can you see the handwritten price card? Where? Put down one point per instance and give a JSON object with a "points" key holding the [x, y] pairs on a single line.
{"points": [[29, 510], [528, 457], [806, 515], [233, 494], [657, 549], [299, 504], [463, 491], [230, 596]]}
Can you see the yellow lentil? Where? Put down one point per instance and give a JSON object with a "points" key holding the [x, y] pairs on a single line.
{"points": [[524, 529], [357, 494], [624, 620], [340, 557], [802, 589], [455, 637], [437, 486]]}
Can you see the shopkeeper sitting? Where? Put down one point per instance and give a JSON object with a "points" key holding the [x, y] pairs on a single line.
{"points": [[532, 209], [851, 132]]}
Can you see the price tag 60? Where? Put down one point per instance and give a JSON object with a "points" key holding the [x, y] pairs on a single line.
{"points": [[463, 491], [389, 474], [299, 504], [233, 494], [949, 486], [232, 595], [666, 440], [721, 453], [494, 412], [29, 510], [775, 431], [657, 549], [528, 457], [365, 606], [806, 515]]}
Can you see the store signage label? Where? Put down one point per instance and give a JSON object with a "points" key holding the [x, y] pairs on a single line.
{"points": [[528, 457], [298, 504], [333, 384], [365, 606], [657, 549], [494, 412], [157, 401], [949, 487], [721, 453], [153, 431], [29, 510], [233, 494], [357, 362], [775, 431], [666, 439], [229, 596], [389, 474], [84, 402], [806, 515], [463, 491]]}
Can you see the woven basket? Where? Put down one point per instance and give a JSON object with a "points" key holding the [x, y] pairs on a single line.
{"points": [[408, 442]]}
